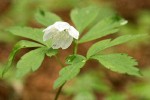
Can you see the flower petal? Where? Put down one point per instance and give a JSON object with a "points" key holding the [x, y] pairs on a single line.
{"points": [[48, 28], [62, 40], [56, 41], [61, 26], [61, 35], [66, 43], [73, 32], [49, 33]]}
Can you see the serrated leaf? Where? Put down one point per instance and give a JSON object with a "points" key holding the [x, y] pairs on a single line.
{"points": [[31, 61], [104, 44], [126, 38], [46, 18], [83, 17], [121, 63], [21, 44], [27, 32], [97, 47], [105, 27], [69, 72]]}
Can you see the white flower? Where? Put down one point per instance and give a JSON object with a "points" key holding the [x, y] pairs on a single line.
{"points": [[61, 34]]}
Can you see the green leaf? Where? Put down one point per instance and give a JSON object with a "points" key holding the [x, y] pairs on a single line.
{"points": [[69, 72], [116, 96], [31, 61], [46, 18], [104, 44], [87, 82], [97, 47], [85, 96], [73, 59], [51, 52], [83, 17], [126, 38], [104, 27], [121, 63], [4, 37], [94, 82], [27, 32], [140, 90], [10, 75], [21, 44]]}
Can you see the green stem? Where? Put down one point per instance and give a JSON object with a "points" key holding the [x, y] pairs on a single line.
{"points": [[59, 91], [75, 47], [58, 60]]}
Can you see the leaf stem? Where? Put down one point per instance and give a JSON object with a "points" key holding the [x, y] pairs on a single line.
{"points": [[58, 93], [60, 88], [59, 61], [75, 47]]}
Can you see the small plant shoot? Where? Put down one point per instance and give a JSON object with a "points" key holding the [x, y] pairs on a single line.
{"points": [[57, 34]]}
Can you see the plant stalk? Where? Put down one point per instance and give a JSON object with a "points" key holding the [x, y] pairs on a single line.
{"points": [[75, 47], [59, 91], [58, 60]]}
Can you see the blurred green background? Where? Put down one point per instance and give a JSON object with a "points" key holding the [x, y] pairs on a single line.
{"points": [[94, 83]]}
